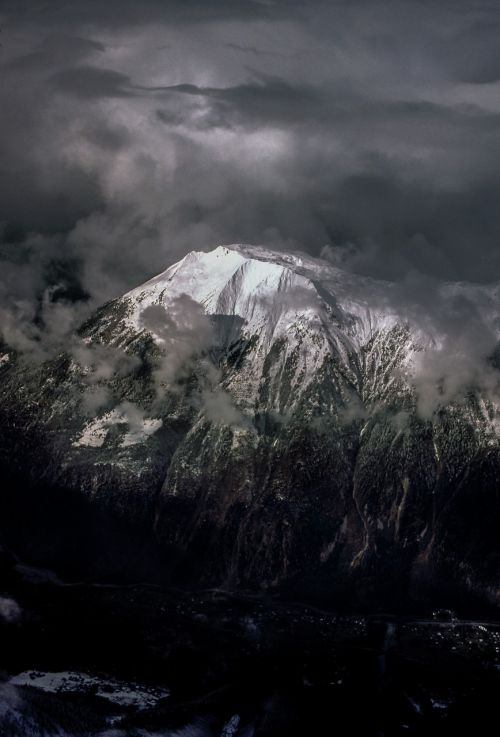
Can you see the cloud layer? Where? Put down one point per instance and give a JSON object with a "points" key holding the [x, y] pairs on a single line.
{"points": [[134, 132]]}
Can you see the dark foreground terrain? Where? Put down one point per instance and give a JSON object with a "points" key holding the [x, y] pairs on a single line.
{"points": [[83, 659]]}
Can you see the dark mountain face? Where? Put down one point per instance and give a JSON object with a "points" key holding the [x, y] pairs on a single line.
{"points": [[248, 420]]}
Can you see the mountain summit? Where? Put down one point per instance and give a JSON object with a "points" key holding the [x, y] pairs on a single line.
{"points": [[257, 414]]}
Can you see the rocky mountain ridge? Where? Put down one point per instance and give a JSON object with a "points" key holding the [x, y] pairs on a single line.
{"points": [[255, 413]]}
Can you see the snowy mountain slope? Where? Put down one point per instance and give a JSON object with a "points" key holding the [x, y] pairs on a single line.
{"points": [[258, 412], [300, 307], [261, 286]]}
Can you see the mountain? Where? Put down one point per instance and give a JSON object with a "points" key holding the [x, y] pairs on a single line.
{"points": [[253, 415]]}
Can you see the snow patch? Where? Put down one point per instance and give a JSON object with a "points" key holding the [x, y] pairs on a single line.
{"points": [[121, 693], [136, 435], [10, 610], [231, 727], [96, 431]]}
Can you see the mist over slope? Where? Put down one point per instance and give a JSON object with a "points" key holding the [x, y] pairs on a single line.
{"points": [[260, 419]]}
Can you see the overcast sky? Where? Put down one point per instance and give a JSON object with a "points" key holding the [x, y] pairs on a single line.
{"points": [[132, 132]]}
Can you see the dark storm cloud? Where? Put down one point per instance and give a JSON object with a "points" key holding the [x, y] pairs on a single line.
{"points": [[251, 50], [38, 192], [88, 82], [267, 100], [123, 12], [262, 102], [54, 50], [434, 212], [134, 132], [472, 53]]}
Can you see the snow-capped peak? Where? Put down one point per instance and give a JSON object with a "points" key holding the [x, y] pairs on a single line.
{"points": [[275, 293], [263, 287]]}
